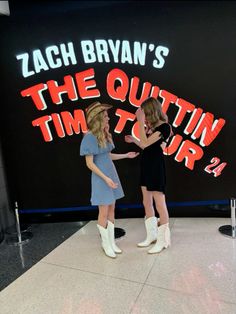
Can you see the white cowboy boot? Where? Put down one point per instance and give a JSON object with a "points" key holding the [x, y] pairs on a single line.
{"points": [[151, 229], [163, 239], [106, 245], [111, 229], [158, 221]]}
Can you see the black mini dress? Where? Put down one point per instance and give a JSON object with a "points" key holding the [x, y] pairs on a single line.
{"points": [[153, 173]]}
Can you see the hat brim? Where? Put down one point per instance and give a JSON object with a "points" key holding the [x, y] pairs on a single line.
{"points": [[106, 106], [94, 109]]}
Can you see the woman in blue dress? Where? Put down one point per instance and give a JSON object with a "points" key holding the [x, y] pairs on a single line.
{"points": [[106, 188]]}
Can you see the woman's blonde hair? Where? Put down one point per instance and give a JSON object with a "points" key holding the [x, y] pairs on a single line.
{"points": [[153, 112], [96, 127]]}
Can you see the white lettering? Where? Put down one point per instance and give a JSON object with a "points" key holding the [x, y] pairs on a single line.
{"points": [[159, 63], [25, 64]]}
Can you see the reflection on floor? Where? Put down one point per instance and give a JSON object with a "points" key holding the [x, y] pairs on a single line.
{"points": [[196, 275]]}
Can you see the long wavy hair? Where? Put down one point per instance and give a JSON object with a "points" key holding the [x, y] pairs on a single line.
{"points": [[153, 112], [96, 127]]}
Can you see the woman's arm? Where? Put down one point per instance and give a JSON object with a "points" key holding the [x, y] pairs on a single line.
{"points": [[132, 139], [147, 141], [123, 156], [144, 140], [91, 165]]}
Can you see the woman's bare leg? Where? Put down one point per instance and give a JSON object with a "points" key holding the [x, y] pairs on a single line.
{"points": [[111, 213], [147, 202], [103, 215], [160, 202]]}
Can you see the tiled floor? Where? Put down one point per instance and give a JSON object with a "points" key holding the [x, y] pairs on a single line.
{"points": [[196, 275], [15, 260]]}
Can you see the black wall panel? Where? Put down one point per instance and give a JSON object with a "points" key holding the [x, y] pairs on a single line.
{"points": [[198, 71]]}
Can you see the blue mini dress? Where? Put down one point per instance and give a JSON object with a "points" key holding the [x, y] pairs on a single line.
{"points": [[102, 194]]}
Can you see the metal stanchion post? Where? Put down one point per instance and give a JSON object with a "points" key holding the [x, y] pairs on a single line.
{"points": [[12, 229], [1, 234], [17, 223], [233, 201], [21, 237], [230, 230]]}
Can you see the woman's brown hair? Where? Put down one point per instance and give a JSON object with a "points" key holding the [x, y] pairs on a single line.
{"points": [[153, 112]]}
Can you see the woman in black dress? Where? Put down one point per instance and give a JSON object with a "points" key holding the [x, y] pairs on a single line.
{"points": [[153, 176]]}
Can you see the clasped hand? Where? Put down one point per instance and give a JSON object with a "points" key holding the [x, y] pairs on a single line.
{"points": [[140, 115]]}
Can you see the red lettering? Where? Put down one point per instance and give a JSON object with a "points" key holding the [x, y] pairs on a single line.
{"points": [[208, 129], [42, 122], [35, 92], [155, 91], [190, 152], [84, 83], [193, 120], [184, 107], [119, 92], [58, 125], [134, 90], [75, 122], [56, 91], [174, 144], [167, 99], [135, 130], [124, 117]]}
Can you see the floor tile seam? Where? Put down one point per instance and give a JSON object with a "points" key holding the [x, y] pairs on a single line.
{"points": [[186, 293], [136, 299], [154, 262], [91, 272]]}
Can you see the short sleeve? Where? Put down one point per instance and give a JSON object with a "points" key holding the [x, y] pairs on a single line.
{"points": [[165, 131], [89, 145]]}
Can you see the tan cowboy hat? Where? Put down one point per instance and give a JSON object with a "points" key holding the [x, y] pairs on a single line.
{"points": [[94, 109]]}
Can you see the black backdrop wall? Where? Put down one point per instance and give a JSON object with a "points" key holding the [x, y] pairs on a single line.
{"points": [[118, 53]]}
